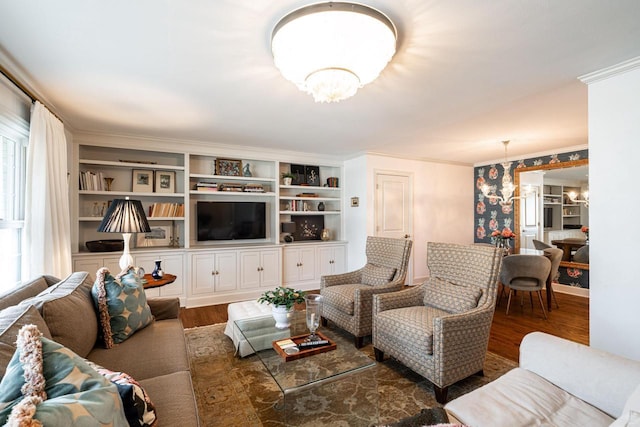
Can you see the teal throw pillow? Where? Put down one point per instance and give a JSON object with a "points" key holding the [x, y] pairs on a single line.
{"points": [[50, 383], [121, 303]]}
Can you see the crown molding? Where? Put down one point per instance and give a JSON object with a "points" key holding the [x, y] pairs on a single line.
{"points": [[611, 71]]}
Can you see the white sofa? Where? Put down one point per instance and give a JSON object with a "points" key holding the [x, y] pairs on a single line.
{"points": [[558, 383]]}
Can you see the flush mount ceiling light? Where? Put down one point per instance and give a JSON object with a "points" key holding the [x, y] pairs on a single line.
{"points": [[329, 50]]}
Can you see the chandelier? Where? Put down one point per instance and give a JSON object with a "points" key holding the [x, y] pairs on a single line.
{"points": [[330, 50], [508, 188], [573, 196]]}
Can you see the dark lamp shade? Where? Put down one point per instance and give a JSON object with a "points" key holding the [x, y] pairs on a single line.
{"points": [[288, 227], [125, 216]]}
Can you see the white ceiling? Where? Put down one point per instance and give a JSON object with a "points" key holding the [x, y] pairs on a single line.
{"points": [[467, 73]]}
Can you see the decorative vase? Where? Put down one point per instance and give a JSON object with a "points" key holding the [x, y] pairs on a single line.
{"points": [[326, 234], [282, 316], [157, 272], [321, 206], [287, 180]]}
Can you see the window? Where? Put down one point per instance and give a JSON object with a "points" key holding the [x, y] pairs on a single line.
{"points": [[14, 137]]}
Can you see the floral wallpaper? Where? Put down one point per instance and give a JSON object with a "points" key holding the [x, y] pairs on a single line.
{"points": [[490, 215]]}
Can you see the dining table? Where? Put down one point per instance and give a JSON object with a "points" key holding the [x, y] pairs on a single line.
{"points": [[568, 246]]}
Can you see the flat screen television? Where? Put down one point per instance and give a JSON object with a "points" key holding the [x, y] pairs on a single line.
{"points": [[231, 220]]}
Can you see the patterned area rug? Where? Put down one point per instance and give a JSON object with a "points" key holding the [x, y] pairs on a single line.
{"points": [[239, 392]]}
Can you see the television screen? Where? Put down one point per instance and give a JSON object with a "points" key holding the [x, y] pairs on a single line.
{"points": [[231, 220]]}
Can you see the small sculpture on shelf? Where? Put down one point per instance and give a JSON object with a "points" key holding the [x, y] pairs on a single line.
{"points": [[246, 171]]}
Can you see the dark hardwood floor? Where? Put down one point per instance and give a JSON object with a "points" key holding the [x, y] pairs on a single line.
{"points": [[570, 321]]}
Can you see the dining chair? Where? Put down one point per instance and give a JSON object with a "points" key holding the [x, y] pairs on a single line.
{"points": [[539, 245], [555, 256], [525, 273]]}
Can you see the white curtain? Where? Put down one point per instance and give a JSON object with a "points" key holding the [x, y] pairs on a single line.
{"points": [[47, 242]]}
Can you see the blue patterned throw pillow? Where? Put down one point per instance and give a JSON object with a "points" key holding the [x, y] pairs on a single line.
{"points": [[47, 382], [121, 303]]}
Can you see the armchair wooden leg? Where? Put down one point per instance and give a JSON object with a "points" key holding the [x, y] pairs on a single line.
{"points": [[441, 394], [323, 321], [359, 342], [379, 354]]}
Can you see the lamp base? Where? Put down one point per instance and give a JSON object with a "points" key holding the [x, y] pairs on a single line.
{"points": [[126, 259]]}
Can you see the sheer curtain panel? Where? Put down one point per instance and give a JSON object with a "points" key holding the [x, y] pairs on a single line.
{"points": [[47, 243]]}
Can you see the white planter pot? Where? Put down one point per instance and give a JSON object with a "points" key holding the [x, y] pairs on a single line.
{"points": [[282, 316], [287, 181]]}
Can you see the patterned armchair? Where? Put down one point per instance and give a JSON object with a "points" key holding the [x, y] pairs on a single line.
{"points": [[347, 298], [440, 329]]}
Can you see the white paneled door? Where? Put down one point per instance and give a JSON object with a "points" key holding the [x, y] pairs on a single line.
{"points": [[394, 208]]}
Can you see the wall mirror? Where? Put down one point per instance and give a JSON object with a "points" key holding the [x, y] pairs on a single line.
{"points": [[545, 213]]}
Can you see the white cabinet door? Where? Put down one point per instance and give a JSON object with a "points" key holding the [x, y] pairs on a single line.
{"points": [[171, 264], [260, 268], [307, 270], [299, 264], [202, 274], [226, 269], [270, 268], [331, 260], [93, 264], [250, 269]]}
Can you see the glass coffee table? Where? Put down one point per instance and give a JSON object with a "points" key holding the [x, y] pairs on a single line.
{"points": [[318, 384]]}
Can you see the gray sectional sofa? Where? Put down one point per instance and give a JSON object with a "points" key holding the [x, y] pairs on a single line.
{"points": [[155, 356]]}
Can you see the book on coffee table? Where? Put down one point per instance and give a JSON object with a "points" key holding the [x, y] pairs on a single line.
{"points": [[290, 349]]}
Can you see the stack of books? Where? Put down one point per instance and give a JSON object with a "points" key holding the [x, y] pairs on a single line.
{"points": [[166, 210], [253, 188], [206, 186], [231, 186]]}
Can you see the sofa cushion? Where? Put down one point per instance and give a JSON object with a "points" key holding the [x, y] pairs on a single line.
{"points": [[522, 398], [631, 412], [76, 395], [122, 305], [11, 320], [158, 349], [138, 408], [67, 307], [373, 274], [450, 297], [173, 396], [342, 296], [25, 290]]}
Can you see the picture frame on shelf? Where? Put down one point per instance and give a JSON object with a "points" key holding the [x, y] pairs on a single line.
{"points": [[165, 182], [159, 236], [298, 175], [312, 175], [308, 227], [142, 181], [228, 167]]}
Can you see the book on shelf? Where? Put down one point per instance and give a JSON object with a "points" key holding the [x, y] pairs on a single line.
{"points": [[166, 210], [92, 181]]}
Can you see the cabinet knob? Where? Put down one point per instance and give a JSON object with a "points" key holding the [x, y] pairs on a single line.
{"points": [[213, 273], [406, 236]]}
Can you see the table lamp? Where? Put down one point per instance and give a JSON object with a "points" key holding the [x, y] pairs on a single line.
{"points": [[288, 228], [125, 216]]}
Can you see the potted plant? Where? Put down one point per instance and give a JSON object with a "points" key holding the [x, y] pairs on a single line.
{"points": [[287, 177], [282, 300]]}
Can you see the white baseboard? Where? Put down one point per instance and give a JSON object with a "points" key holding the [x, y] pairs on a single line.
{"points": [[571, 290]]}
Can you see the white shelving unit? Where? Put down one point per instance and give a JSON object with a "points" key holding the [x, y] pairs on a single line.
{"points": [[220, 271]]}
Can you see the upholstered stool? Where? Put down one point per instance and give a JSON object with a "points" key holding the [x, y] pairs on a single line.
{"points": [[249, 310]]}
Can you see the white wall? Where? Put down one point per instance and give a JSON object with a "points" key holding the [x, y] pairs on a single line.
{"points": [[614, 150], [443, 205]]}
